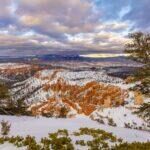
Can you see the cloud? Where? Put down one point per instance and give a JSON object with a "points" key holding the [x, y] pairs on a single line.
{"points": [[5, 8], [59, 16], [33, 43], [30, 20], [28, 43], [113, 26], [99, 41], [44, 26], [6, 16]]}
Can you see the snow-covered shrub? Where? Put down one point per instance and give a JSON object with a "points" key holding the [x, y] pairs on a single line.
{"points": [[5, 127], [63, 112], [31, 143], [100, 121], [127, 125], [132, 146], [144, 111], [111, 122], [61, 140], [80, 142]]}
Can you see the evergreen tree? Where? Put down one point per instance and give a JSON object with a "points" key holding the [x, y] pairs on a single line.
{"points": [[139, 50], [139, 47], [4, 92]]}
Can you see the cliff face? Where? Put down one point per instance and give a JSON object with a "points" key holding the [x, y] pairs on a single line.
{"points": [[17, 72], [58, 92], [79, 99]]}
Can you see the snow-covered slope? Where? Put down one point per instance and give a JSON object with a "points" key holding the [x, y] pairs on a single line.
{"points": [[92, 93], [119, 116], [51, 76], [16, 71], [41, 126], [69, 93], [70, 89]]}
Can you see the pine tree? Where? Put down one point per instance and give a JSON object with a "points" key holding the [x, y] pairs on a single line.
{"points": [[139, 50], [139, 47]]}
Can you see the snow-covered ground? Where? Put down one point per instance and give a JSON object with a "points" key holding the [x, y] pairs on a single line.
{"points": [[13, 65], [8, 146], [40, 127], [121, 117]]}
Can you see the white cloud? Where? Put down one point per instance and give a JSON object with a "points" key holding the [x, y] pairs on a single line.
{"points": [[59, 16], [60, 24]]}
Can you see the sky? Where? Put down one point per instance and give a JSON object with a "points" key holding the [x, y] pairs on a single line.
{"points": [[32, 27]]}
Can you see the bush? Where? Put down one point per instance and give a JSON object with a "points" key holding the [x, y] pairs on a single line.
{"points": [[4, 92], [60, 140], [144, 111], [80, 142], [63, 112], [127, 125], [100, 121], [133, 146], [111, 122], [143, 86], [5, 127]]}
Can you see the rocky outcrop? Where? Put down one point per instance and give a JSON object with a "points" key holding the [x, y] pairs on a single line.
{"points": [[129, 79], [138, 98], [18, 72], [82, 99]]}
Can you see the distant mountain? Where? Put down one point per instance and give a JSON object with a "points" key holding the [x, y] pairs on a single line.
{"points": [[57, 57], [63, 57]]}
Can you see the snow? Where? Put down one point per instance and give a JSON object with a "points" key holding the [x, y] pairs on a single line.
{"points": [[120, 116], [41, 126], [3, 78], [32, 90], [82, 77], [13, 65], [8, 146], [81, 137], [34, 85]]}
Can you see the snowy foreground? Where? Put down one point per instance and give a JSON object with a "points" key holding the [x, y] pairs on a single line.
{"points": [[40, 127]]}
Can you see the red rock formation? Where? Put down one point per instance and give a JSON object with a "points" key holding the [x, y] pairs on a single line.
{"points": [[138, 98], [88, 97]]}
